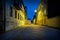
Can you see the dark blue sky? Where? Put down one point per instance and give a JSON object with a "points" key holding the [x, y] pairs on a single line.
{"points": [[31, 6]]}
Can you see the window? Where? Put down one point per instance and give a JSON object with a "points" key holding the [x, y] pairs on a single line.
{"points": [[11, 14], [15, 14], [18, 15]]}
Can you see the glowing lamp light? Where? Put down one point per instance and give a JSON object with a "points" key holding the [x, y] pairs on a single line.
{"points": [[35, 11]]}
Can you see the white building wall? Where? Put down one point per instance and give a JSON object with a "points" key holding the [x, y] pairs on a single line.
{"points": [[11, 23]]}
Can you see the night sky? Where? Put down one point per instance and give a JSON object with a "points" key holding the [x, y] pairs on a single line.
{"points": [[31, 6]]}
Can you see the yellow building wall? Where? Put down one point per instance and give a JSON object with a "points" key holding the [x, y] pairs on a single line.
{"points": [[21, 15], [41, 14], [40, 18]]}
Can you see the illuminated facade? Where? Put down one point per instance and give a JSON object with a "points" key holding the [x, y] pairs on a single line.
{"points": [[20, 17], [20, 11], [41, 13], [17, 15], [13, 14]]}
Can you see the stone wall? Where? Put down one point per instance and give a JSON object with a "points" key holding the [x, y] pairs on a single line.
{"points": [[54, 22]]}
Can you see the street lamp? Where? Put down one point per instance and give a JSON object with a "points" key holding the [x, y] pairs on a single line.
{"points": [[35, 16], [35, 11]]}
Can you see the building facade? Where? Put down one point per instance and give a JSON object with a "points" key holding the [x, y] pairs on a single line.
{"points": [[17, 14], [41, 13], [12, 14]]}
